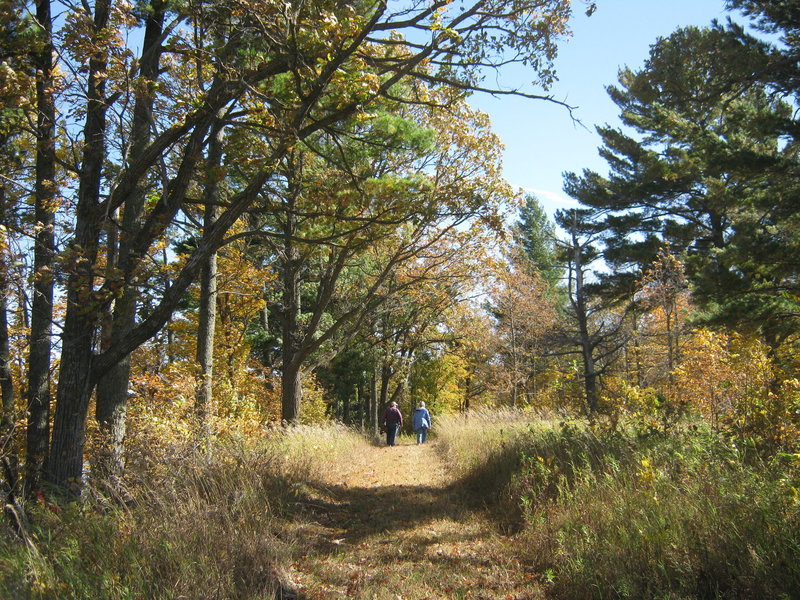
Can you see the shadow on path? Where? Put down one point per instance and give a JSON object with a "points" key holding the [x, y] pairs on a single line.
{"points": [[369, 530]]}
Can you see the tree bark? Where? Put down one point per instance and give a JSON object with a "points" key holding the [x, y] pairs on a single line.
{"points": [[637, 349], [205, 339], [75, 382], [670, 350], [386, 376], [584, 335], [467, 386], [587, 353], [291, 392], [373, 404], [208, 292], [514, 364], [291, 385], [361, 399], [112, 388], [346, 407], [6, 381], [38, 398], [80, 369]]}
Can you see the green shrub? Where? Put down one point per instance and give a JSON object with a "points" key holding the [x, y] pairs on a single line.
{"points": [[663, 517]]}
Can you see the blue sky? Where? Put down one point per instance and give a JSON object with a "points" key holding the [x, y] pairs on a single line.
{"points": [[541, 141]]}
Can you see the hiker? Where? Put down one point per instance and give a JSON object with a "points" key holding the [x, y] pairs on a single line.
{"points": [[393, 420], [421, 420]]}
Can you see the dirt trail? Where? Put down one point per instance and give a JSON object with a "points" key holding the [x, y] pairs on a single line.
{"points": [[406, 464], [390, 524]]}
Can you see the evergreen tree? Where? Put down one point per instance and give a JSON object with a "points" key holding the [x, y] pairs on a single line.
{"points": [[709, 175], [589, 328], [535, 234]]}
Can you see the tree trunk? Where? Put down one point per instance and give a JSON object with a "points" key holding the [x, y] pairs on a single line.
{"points": [[346, 409], [398, 391], [208, 292], [670, 351], [112, 257], [637, 350], [386, 376], [587, 350], [109, 410], [514, 364], [6, 382], [291, 390], [467, 386], [584, 336], [590, 380], [112, 388], [589, 373], [205, 341], [373, 405], [75, 382], [38, 400], [361, 400], [291, 376], [65, 465]]}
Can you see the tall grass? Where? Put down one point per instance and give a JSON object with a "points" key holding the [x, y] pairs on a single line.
{"points": [[483, 450], [684, 516], [597, 514], [471, 440], [202, 526], [616, 515]]}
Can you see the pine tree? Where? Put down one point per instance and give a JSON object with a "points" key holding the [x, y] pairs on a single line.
{"points": [[535, 233], [707, 174]]}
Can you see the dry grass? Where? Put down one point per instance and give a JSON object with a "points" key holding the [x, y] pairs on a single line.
{"points": [[305, 451], [484, 451], [198, 526], [470, 440], [392, 524], [613, 515], [500, 505]]}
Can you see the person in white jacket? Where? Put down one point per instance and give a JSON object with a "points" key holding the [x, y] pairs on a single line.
{"points": [[421, 421]]}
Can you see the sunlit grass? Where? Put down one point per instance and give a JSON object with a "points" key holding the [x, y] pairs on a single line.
{"points": [[573, 512], [614, 515], [315, 446], [483, 449], [203, 525], [471, 440]]}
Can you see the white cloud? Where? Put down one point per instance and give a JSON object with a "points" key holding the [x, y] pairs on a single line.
{"points": [[549, 197]]}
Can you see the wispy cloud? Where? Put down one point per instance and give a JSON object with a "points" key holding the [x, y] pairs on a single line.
{"points": [[549, 196]]}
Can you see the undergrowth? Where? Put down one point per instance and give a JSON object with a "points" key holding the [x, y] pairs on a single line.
{"points": [[616, 515], [683, 515], [483, 450], [595, 514], [198, 526]]}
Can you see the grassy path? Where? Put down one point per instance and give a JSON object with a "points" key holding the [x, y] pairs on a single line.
{"points": [[390, 524]]}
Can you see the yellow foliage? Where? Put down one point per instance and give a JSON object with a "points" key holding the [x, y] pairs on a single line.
{"points": [[439, 382], [720, 373], [623, 399], [315, 407], [730, 380]]}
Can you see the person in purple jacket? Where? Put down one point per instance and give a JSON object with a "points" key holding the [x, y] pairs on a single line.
{"points": [[393, 420]]}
